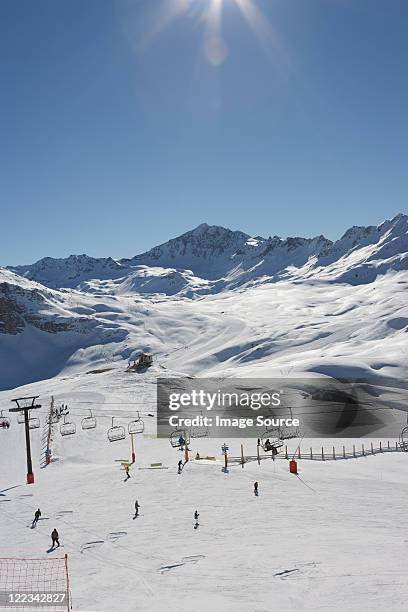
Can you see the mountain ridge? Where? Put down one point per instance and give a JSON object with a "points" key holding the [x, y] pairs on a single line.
{"points": [[228, 258]]}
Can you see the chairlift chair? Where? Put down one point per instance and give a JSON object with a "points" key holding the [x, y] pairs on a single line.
{"points": [[270, 439], [403, 439], [33, 422], [20, 418], [4, 421], [89, 422], [136, 426], [176, 435], [287, 433], [68, 428], [116, 432]]}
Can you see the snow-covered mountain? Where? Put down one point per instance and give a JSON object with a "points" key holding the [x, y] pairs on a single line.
{"points": [[266, 308], [206, 250], [71, 271], [43, 330], [226, 259], [214, 301]]}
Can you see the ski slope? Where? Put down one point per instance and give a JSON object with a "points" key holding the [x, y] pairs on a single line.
{"points": [[266, 330], [338, 527], [333, 538]]}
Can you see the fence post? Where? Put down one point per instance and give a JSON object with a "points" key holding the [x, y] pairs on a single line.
{"points": [[286, 452], [354, 450], [299, 452], [388, 445], [242, 455], [362, 446], [344, 452], [372, 449], [311, 452], [322, 454], [334, 453], [396, 446], [380, 447]]}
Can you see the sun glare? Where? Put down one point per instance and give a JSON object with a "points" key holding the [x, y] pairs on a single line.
{"points": [[209, 13]]}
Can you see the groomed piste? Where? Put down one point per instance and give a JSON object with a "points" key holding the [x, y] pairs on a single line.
{"points": [[335, 523]]}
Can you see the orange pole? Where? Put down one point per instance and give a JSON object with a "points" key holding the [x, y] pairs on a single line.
{"points": [[133, 448]]}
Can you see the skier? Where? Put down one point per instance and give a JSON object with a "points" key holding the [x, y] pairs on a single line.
{"points": [[180, 467], [259, 441], [196, 515], [37, 515], [55, 538], [127, 473], [268, 445], [256, 489], [137, 506]]}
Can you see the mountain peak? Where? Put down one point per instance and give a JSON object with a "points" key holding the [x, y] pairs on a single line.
{"points": [[214, 252]]}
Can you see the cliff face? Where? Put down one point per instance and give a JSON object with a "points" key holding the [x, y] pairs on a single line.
{"points": [[20, 307]]}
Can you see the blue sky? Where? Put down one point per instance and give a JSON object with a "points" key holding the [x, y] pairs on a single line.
{"points": [[118, 133]]}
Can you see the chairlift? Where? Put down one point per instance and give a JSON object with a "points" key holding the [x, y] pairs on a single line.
{"points": [[116, 432], [403, 439], [287, 433], [33, 422], [271, 439], [68, 428], [89, 422], [136, 426], [179, 438], [21, 418], [4, 421], [199, 431]]}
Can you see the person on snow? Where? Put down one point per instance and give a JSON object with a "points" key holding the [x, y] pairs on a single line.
{"points": [[55, 538], [196, 515], [37, 515], [268, 445], [256, 489], [180, 467], [127, 473], [137, 506]]}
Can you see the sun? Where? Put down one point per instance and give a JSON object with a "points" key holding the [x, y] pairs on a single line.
{"points": [[209, 13]]}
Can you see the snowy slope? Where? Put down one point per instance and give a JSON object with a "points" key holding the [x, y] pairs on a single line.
{"points": [[292, 548], [266, 307], [305, 326]]}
